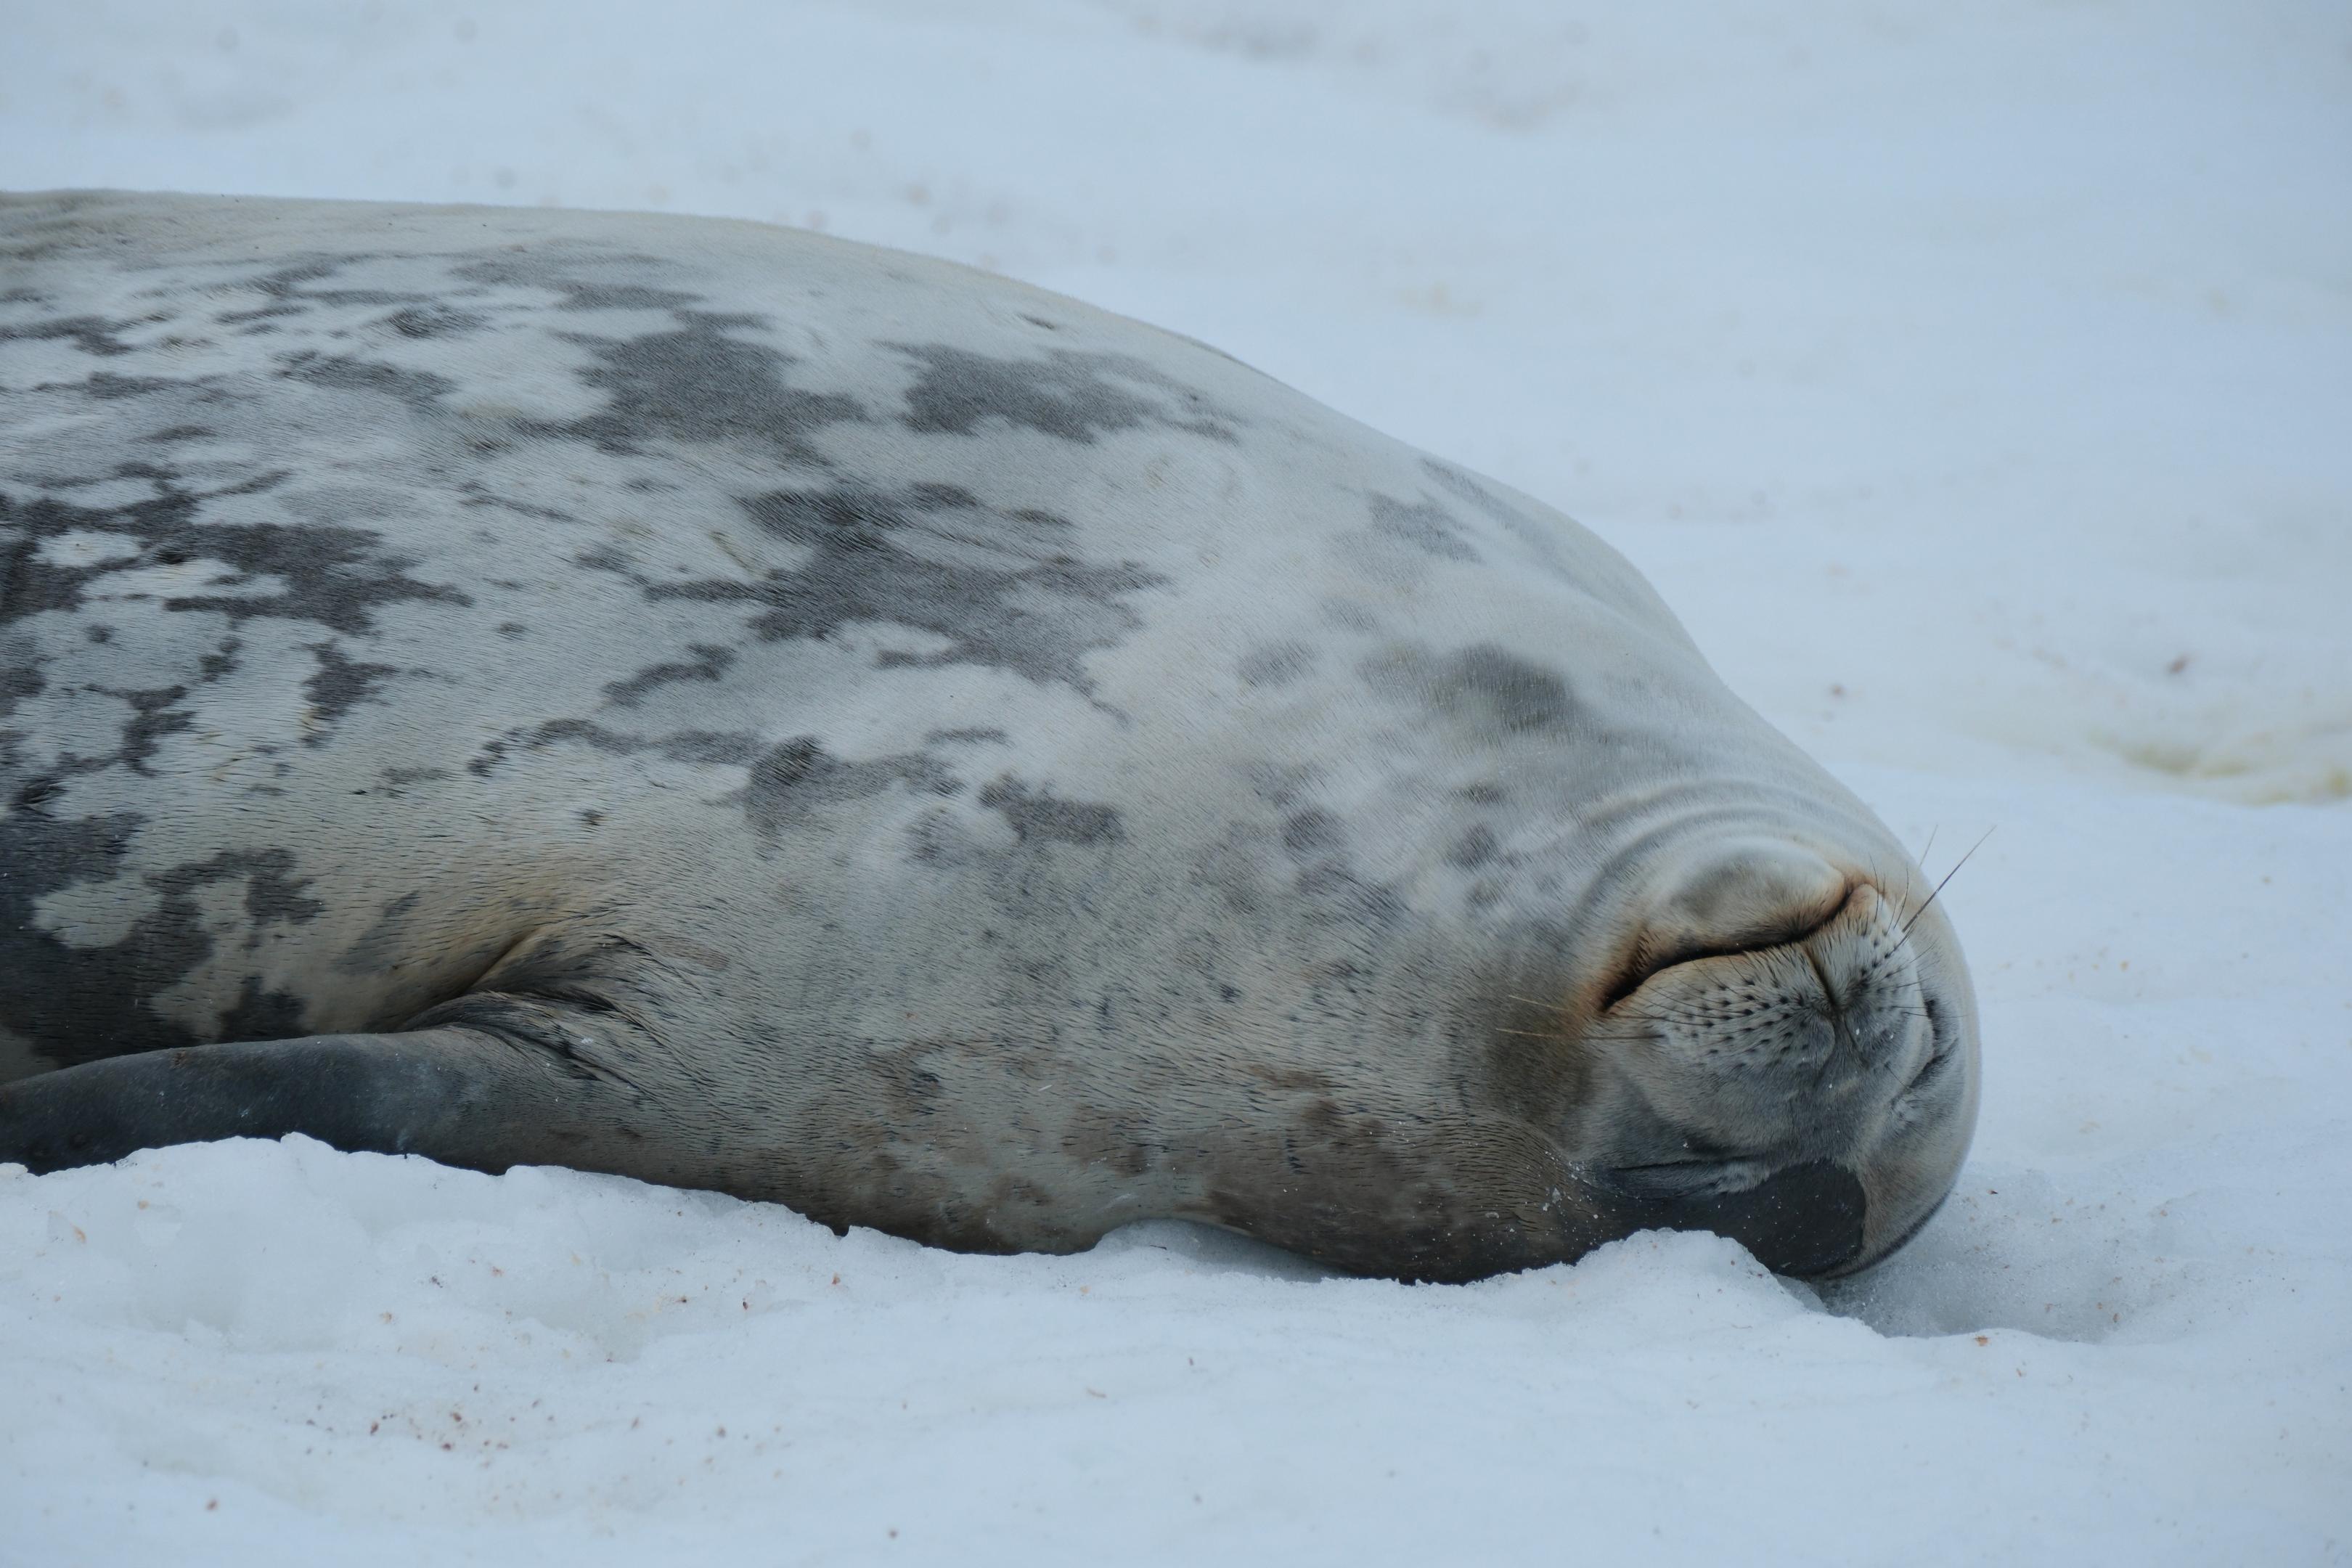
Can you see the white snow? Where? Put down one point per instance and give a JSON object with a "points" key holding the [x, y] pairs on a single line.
{"points": [[1974, 381]]}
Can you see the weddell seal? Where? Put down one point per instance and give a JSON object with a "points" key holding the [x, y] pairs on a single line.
{"points": [[745, 710]]}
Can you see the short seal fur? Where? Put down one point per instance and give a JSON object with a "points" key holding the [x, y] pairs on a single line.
{"points": [[746, 711]]}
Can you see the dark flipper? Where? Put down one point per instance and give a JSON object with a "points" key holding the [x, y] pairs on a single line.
{"points": [[464, 1095]]}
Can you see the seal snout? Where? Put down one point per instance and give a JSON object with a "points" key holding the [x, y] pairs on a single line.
{"points": [[1786, 1011], [1778, 1026]]}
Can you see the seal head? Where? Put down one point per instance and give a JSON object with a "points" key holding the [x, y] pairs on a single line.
{"points": [[1788, 1065]]}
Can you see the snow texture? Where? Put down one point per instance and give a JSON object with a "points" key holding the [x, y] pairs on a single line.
{"points": [[1974, 382]]}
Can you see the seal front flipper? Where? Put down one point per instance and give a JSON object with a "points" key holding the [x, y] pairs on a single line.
{"points": [[519, 1083]]}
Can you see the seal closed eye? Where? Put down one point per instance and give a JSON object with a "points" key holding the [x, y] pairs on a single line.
{"points": [[735, 709]]}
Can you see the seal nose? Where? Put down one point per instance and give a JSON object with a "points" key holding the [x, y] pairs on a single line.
{"points": [[1738, 895]]}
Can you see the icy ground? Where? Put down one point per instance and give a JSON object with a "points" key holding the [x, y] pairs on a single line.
{"points": [[1977, 382]]}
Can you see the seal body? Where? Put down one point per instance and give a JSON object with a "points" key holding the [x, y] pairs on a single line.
{"points": [[749, 711]]}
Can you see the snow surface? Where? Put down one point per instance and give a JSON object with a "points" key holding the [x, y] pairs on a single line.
{"points": [[1976, 382]]}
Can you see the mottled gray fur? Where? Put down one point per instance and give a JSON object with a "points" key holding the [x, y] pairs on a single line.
{"points": [[739, 709]]}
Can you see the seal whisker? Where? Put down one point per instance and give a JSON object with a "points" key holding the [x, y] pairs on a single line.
{"points": [[1947, 878], [1920, 862]]}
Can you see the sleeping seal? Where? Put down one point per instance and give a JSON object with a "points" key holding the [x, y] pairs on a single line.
{"points": [[740, 709]]}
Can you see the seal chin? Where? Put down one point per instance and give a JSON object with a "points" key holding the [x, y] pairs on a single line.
{"points": [[1806, 1219]]}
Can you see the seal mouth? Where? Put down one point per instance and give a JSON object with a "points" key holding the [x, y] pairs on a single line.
{"points": [[1697, 1177]]}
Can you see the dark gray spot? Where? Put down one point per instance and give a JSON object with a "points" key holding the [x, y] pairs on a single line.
{"points": [[1425, 527], [1312, 832], [78, 1003], [212, 666], [420, 390], [336, 575], [1038, 818], [1073, 395], [713, 748], [90, 335], [336, 685], [434, 321], [937, 839], [1521, 695], [1474, 848], [387, 939], [1529, 531], [272, 891], [285, 284], [1485, 686], [929, 497], [1463, 487], [154, 714], [1275, 664], [710, 662], [261, 1014], [20, 675], [109, 387], [1036, 615], [1315, 842], [799, 775], [696, 384], [566, 273]]}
